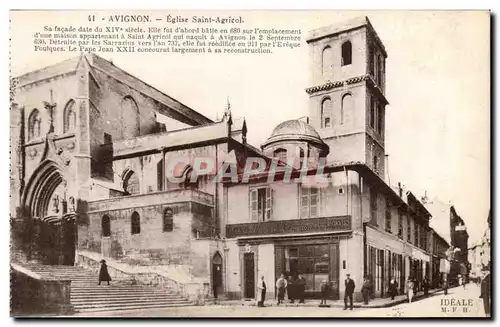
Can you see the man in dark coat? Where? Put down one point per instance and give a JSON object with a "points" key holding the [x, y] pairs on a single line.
{"points": [[393, 288], [103, 273], [291, 289], [366, 289], [301, 288], [324, 292], [425, 285], [485, 293], [349, 291], [281, 285]]}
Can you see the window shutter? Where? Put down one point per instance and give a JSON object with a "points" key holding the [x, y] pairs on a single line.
{"points": [[313, 200], [269, 203], [253, 205]]}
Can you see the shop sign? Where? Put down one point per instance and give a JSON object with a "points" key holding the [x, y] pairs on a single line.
{"points": [[327, 224]]}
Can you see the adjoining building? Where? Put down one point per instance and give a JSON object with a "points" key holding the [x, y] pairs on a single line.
{"points": [[91, 180]]}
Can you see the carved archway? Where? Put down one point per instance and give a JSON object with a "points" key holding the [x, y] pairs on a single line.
{"points": [[45, 200], [46, 178]]}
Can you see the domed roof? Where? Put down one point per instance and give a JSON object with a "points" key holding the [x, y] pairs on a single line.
{"points": [[293, 130]]}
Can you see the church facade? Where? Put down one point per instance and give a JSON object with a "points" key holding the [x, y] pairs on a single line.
{"points": [[91, 179]]}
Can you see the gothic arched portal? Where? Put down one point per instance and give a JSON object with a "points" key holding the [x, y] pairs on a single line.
{"points": [[45, 200]]}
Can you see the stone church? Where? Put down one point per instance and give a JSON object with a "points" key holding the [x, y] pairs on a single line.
{"points": [[90, 148]]}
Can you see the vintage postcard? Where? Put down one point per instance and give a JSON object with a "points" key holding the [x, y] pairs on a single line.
{"points": [[250, 164]]}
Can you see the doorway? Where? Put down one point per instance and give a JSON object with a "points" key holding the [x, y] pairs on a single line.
{"points": [[249, 275], [217, 274]]}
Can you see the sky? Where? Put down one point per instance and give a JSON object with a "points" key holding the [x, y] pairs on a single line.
{"points": [[437, 85]]}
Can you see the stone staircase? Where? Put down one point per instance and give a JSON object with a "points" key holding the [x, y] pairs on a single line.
{"points": [[87, 296]]}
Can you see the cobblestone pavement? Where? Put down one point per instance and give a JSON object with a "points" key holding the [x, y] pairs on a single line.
{"points": [[438, 305]]}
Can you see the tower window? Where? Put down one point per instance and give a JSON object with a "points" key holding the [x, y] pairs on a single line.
{"points": [[346, 53], [326, 111], [326, 61], [375, 163], [346, 106]]}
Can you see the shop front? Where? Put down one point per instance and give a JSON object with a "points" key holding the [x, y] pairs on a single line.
{"points": [[316, 262], [309, 247]]}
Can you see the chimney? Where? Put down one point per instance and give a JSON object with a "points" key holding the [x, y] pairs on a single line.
{"points": [[400, 189]]}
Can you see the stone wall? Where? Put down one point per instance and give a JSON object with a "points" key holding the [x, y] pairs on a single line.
{"points": [[31, 296]]}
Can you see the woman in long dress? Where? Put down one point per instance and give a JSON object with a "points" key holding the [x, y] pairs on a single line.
{"points": [[103, 273], [411, 285]]}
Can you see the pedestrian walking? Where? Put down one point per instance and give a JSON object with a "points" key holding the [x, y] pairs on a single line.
{"points": [[485, 293], [281, 285], [290, 289], [324, 293], [261, 292], [445, 286], [425, 285], [393, 288], [349, 291], [301, 288], [411, 286], [365, 290], [103, 273]]}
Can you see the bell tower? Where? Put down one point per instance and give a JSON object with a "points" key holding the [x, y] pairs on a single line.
{"points": [[347, 93]]}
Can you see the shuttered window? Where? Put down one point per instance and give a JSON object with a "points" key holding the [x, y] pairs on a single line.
{"points": [[261, 204]]}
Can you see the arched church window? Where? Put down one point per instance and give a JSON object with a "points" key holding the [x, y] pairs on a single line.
{"points": [[34, 125], [327, 61], [346, 106], [69, 117], [135, 223], [106, 226], [130, 118], [131, 183], [346, 53], [326, 111], [280, 154]]}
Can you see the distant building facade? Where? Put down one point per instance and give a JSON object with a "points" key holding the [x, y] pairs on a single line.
{"points": [[459, 246]]}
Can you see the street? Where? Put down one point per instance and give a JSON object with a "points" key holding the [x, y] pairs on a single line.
{"points": [[458, 303]]}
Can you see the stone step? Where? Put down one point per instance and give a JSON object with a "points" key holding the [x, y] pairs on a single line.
{"points": [[118, 292], [124, 296], [130, 307], [111, 302]]}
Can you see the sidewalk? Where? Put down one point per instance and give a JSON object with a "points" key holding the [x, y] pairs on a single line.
{"points": [[373, 303]]}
